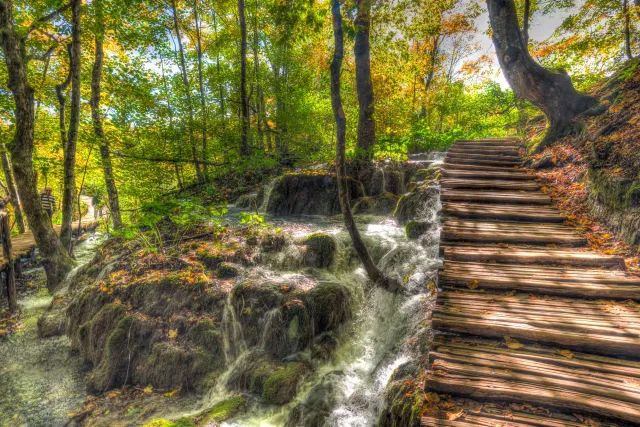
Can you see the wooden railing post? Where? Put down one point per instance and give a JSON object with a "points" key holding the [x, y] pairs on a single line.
{"points": [[5, 235]]}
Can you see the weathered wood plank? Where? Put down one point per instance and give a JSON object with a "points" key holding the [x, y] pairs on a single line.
{"points": [[515, 174], [489, 184], [518, 213], [484, 168], [509, 197], [522, 255]]}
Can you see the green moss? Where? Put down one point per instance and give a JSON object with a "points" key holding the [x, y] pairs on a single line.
{"points": [[415, 229], [111, 369], [181, 422], [204, 335], [281, 387], [632, 197], [224, 410], [167, 367], [320, 250], [227, 270]]}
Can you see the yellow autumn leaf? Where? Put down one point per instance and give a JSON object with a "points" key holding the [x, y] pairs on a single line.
{"points": [[173, 333], [473, 285], [512, 344], [171, 393], [148, 389], [566, 353]]}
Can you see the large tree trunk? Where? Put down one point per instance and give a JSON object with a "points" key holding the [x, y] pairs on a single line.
{"points": [[551, 91], [187, 91], [105, 150], [55, 259], [364, 85], [372, 270], [203, 99], [75, 68], [13, 191], [244, 142]]}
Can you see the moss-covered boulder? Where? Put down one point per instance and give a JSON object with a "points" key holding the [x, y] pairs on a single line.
{"points": [[320, 250], [383, 204], [422, 204], [415, 229], [314, 410], [282, 386], [228, 270], [222, 411]]}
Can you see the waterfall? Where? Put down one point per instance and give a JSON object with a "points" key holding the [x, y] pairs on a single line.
{"points": [[268, 189], [232, 341]]}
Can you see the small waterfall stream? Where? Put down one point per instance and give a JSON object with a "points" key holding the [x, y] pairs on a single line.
{"points": [[40, 381]]}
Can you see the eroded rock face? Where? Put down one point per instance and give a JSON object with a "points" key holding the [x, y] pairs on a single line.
{"points": [[418, 204], [304, 194]]}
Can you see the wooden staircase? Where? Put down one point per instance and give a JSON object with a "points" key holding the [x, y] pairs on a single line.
{"points": [[532, 328]]}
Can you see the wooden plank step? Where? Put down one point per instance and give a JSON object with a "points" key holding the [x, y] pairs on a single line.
{"points": [[560, 326], [486, 184], [516, 174], [510, 233], [500, 418], [496, 155], [484, 168], [476, 160], [503, 212], [523, 255], [492, 142], [485, 150], [509, 197]]}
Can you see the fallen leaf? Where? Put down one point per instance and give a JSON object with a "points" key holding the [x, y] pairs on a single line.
{"points": [[566, 353], [473, 285], [171, 393], [148, 389], [512, 344], [173, 333]]}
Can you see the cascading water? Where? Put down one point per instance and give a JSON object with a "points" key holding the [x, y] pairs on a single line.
{"points": [[267, 195], [40, 381], [381, 337]]}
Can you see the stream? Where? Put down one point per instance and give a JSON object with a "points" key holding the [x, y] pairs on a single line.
{"points": [[40, 380]]}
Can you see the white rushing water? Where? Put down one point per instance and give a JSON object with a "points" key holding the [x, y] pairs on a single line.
{"points": [[384, 332]]}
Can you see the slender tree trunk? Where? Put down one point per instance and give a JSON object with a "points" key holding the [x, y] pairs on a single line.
{"points": [[75, 68], [526, 17], [366, 124], [223, 111], [551, 91], [55, 259], [187, 91], [433, 57], [10, 271], [105, 150], [637, 4], [244, 113], [256, 65], [627, 29], [11, 187], [372, 270], [203, 99]]}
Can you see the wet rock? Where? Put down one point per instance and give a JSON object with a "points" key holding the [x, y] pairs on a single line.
{"points": [[248, 201], [419, 204], [223, 411], [415, 229], [273, 241], [316, 408], [282, 386], [52, 325], [304, 194], [383, 204], [320, 251], [324, 346]]}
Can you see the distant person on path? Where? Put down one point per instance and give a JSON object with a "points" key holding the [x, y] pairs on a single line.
{"points": [[48, 203]]}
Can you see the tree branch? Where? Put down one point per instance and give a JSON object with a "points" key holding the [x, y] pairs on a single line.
{"points": [[46, 18]]}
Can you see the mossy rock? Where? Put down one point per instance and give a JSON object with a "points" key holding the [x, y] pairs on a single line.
{"points": [[329, 305], [180, 422], [321, 249], [273, 242], [228, 270], [205, 335], [282, 386], [224, 410], [417, 204], [383, 204], [415, 229]]}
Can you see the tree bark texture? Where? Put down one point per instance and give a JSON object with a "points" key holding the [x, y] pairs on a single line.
{"points": [[55, 259], [10, 271], [13, 191], [187, 91], [244, 142], [526, 17], [370, 267], [203, 99], [627, 29], [105, 149], [364, 85], [551, 91], [75, 68]]}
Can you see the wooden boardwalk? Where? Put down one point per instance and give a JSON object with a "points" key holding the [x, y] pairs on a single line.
{"points": [[22, 244], [531, 327]]}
